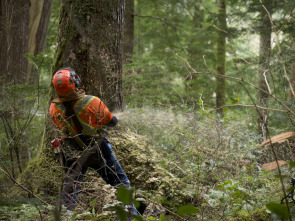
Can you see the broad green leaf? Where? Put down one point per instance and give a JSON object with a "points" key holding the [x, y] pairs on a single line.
{"points": [[278, 209], [124, 195], [89, 218], [282, 176], [136, 203], [92, 203], [292, 164], [151, 218], [137, 218], [187, 210], [121, 213], [162, 217]]}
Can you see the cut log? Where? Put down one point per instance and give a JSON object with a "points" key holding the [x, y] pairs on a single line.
{"points": [[281, 138], [273, 165]]}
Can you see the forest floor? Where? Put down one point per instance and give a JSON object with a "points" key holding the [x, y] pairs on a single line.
{"points": [[213, 165]]}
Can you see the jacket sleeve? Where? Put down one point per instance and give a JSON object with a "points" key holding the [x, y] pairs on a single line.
{"points": [[103, 116], [54, 111]]}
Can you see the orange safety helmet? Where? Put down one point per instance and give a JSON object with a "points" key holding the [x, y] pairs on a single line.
{"points": [[65, 81]]}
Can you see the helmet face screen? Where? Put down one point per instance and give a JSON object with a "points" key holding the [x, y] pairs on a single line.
{"points": [[64, 82]]}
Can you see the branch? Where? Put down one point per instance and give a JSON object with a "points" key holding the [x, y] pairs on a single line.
{"points": [[219, 29], [6, 172], [266, 82], [240, 81], [157, 18], [250, 105], [279, 47]]}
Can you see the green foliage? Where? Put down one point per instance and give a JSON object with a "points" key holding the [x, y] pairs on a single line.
{"points": [[124, 195], [187, 210], [169, 94], [278, 209], [219, 155], [121, 213]]}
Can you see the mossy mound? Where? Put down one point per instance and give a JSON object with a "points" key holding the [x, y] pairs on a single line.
{"points": [[44, 175]]}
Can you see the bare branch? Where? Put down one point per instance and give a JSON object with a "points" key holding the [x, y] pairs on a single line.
{"points": [[279, 47], [266, 82], [219, 29], [240, 81], [6, 172], [250, 105], [157, 18]]}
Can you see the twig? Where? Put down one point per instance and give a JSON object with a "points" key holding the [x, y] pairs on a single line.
{"points": [[239, 80], [6, 172], [219, 29], [157, 18], [173, 213], [273, 152], [249, 105], [266, 82]]}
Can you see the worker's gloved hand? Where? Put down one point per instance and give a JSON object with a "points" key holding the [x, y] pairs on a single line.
{"points": [[56, 145]]}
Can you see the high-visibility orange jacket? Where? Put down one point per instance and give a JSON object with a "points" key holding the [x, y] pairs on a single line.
{"points": [[90, 111]]}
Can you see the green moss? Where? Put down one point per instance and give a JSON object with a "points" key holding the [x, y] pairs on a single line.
{"points": [[258, 215]]}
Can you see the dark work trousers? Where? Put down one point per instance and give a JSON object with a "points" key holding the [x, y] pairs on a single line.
{"points": [[107, 166]]}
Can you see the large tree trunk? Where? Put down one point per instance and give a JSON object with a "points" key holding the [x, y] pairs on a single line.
{"points": [[220, 57], [89, 40], [128, 31], [264, 72]]}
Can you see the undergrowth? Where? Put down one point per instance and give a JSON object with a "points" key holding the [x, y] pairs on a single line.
{"points": [[217, 157]]}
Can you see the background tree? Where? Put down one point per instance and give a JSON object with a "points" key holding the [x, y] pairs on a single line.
{"points": [[128, 30], [220, 56], [20, 34], [40, 11], [14, 35], [264, 68]]}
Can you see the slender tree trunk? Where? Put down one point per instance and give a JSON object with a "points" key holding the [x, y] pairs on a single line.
{"points": [[292, 74], [264, 57], [39, 20], [128, 31], [220, 56], [195, 49]]}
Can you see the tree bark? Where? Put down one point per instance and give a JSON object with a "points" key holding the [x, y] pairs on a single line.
{"points": [[220, 57], [264, 71], [292, 74], [89, 40], [128, 31], [195, 49], [14, 34], [39, 20]]}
